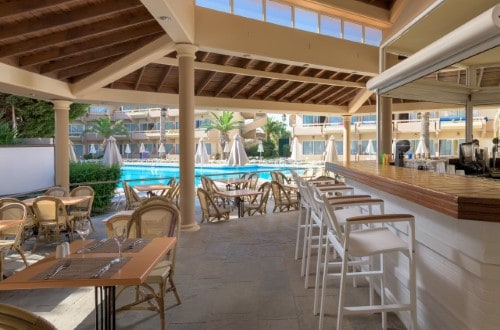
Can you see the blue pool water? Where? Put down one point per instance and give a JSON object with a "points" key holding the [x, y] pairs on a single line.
{"points": [[160, 173]]}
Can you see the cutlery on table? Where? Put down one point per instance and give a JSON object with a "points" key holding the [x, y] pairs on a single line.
{"points": [[93, 246], [65, 265], [105, 268]]}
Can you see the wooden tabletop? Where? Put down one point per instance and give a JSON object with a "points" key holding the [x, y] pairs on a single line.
{"points": [[133, 272], [462, 197], [66, 200], [151, 187], [239, 193]]}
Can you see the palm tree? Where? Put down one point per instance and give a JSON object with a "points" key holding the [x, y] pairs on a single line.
{"points": [[273, 129], [223, 123], [106, 128]]}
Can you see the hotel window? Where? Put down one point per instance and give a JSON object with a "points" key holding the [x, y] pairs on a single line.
{"points": [[306, 20], [330, 26], [220, 5], [372, 36], [248, 8], [313, 147], [76, 129], [353, 31], [279, 13], [97, 109]]}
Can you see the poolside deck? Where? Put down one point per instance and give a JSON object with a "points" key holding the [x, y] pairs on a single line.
{"points": [[240, 274]]}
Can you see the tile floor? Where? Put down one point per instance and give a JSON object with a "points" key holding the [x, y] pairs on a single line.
{"points": [[240, 274]]}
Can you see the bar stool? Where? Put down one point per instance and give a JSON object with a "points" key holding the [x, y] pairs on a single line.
{"points": [[315, 221], [350, 243], [346, 207]]}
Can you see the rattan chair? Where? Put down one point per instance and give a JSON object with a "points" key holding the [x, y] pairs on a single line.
{"points": [[149, 221], [283, 199], [56, 192], [52, 218], [29, 222], [117, 220], [132, 199], [12, 317], [83, 210], [209, 209], [259, 202], [10, 239]]}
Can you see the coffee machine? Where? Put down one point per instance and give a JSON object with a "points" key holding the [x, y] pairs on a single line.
{"points": [[402, 146]]}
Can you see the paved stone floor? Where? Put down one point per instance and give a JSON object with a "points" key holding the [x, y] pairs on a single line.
{"points": [[240, 274]]}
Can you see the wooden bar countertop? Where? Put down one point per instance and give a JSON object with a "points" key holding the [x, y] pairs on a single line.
{"points": [[462, 197]]}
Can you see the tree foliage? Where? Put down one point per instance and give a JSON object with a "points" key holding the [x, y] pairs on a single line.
{"points": [[35, 118], [106, 127], [223, 123], [7, 133]]}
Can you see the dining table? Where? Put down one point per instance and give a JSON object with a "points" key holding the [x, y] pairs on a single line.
{"points": [[150, 189], [239, 199], [229, 182], [5, 225], [96, 268]]}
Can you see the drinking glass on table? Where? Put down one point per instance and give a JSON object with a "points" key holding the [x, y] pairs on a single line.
{"points": [[82, 227], [119, 235]]}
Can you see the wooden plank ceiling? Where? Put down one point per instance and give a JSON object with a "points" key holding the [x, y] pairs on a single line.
{"points": [[71, 39]]}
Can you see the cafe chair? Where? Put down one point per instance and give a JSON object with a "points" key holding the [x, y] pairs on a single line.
{"points": [[82, 211], [29, 222], [209, 186], [253, 179], [132, 199], [10, 239], [368, 237], [279, 177], [56, 192], [258, 203], [210, 211], [116, 221], [52, 218], [12, 317], [149, 221], [172, 194], [284, 200]]}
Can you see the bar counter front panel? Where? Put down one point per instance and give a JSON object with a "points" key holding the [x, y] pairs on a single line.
{"points": [[458, 241]]}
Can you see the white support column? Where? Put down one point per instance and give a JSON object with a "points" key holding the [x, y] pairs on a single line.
{"points": [[347, 138], [186, 56], [61, 111]]}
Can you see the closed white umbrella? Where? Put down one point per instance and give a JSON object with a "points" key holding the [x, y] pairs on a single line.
{"points": [[92, 150], [370, 149], [260, 149], [331, 150], [72, 154], [161, 149], [201, 155], [237, 155], [294, 149], [127, 150], [112, 153], [142, 150], [422, 148]]}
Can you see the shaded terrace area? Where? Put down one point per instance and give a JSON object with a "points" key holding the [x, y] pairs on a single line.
{"points": [[239, 274]]}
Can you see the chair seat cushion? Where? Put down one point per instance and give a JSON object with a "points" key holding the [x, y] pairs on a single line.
{"points": [[160, 272], [368, 242]]}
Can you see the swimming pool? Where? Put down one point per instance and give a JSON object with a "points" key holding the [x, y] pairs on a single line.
{"points": [[156, 173]]}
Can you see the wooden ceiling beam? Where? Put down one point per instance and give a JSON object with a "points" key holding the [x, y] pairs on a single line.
{"points": [[78, 71], [308, 89], [264, 74], [208, 77], [122, 48], [244, 83], [224, 84], [263, 82], [344, 98], [71, 35], [139, 77], [100, 42], [271, 90], [58, 19], [166, 72], [288, 90], [18, 7], [325, 97]]}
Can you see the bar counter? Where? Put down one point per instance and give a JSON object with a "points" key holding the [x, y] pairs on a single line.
{"points": [[458, 242], [462, 197]]}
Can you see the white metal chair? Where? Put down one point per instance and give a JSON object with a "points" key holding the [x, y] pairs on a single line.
{"points": [[376, 240]]}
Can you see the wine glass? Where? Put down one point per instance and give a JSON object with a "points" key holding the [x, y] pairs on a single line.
{"points": [[82, 227], [119, 235]]}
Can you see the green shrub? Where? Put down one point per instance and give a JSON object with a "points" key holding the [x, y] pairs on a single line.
{"points": [[87, 173]]}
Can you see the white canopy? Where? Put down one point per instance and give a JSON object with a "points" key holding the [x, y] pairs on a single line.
{"points": [[237, 156], [294, 149], [201, 155], [331, 150], [112, 153]]}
